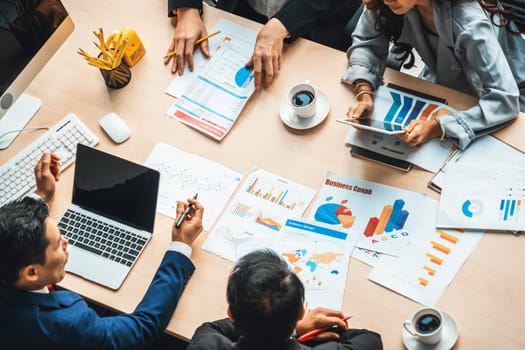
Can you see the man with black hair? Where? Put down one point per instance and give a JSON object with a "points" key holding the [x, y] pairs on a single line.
{"points": [[33, 255], [265, 307]]}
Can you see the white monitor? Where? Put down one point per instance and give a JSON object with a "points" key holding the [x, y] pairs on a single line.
{"points": [[31, 31]]}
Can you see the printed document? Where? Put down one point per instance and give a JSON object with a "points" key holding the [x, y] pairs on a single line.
{"points": [[257, 214], [384, 218], [431, 261], [183, 174], [215, 97], [483, 196]]}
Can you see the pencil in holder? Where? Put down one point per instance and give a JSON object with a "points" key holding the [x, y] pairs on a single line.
{"points": [[118, 77]]}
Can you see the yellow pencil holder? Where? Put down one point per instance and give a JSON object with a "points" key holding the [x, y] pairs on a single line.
{"points": [[118, 77]]}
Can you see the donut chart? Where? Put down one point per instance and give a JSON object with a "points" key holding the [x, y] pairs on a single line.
{"points": [[471, 208]]}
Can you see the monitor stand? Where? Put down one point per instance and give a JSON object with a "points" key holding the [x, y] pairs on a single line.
{"points": [[16, 118]]}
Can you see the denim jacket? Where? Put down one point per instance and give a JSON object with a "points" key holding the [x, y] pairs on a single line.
{"points": [[473, 56]]}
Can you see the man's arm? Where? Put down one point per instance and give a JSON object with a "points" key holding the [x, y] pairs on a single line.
{"points": [[189, 27], [78, 323], [300, 16], [47, 173]]}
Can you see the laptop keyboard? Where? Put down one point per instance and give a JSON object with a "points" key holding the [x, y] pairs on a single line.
{"points": [[101, 238]]}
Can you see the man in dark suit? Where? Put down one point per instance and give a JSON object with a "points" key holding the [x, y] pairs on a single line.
{"points": [[322, 21], [33, 255], [265, 308]]}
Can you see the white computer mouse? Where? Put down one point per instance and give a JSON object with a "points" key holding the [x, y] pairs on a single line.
{"points": [[115, 127]]}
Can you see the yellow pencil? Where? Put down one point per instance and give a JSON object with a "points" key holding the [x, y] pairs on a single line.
{"points": [[172, 53]]}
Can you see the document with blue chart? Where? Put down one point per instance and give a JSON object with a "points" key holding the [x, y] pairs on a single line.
{"points": [[396, 109], [429, 264], [383, 217], [257, 214], [318, 254], [483, 196], [216, 96]]}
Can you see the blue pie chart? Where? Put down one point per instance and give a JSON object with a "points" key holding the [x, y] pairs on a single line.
{"points": [[243, 76]]}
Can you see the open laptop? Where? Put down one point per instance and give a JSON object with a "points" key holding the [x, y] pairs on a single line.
{"points": [[111, 217]]}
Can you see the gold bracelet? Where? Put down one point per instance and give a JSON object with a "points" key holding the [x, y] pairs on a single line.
{"points": [[356, 86], [371, 93]]}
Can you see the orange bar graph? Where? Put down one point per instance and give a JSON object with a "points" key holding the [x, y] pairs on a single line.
{"points": [[434, 259], [447, 236], [440, 247], [430, 270], [383, 219], [423, 281]]}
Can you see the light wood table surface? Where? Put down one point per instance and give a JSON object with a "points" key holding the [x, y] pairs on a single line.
{"points": [[486, 297]]}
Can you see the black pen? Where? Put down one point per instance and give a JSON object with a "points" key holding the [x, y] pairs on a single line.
{"points": [[185, 213]]}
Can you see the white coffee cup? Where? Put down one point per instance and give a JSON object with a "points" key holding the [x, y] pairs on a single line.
{"points": [[302, 98], [426, 324]]}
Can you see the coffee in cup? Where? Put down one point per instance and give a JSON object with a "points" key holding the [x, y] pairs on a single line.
{"points": [[302, 98], [426, 324]]}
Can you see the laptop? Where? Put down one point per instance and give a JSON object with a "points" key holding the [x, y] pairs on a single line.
{"points": [[111, 217]]}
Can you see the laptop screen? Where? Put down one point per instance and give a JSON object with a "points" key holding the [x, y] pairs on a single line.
{"points": [[116, 188]]}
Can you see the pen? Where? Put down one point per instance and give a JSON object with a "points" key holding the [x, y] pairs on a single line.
{"points": [[172, 53], [310, 335], [185, 213]]}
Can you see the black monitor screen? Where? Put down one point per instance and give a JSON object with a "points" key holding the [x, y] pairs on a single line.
{"points": [[25, 25], [116, 188]]}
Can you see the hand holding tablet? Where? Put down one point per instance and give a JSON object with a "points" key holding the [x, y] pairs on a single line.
{"points": [[375, 125]]}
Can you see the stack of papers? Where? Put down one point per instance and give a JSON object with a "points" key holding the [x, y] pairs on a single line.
{"points": [[211, 99]]}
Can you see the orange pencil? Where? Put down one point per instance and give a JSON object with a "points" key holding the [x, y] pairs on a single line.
{"points": [[310, 335], [172, 53]]}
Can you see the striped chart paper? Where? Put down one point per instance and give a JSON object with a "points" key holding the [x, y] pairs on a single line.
{"points": [[396, 109]]}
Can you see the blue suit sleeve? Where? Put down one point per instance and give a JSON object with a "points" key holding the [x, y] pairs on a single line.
{"points": [[80, 324]]}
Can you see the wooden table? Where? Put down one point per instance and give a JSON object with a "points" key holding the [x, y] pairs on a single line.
{"points": [[485, 298]]}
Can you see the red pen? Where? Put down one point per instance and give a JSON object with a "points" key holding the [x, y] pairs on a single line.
{"points": [[310, 335]]}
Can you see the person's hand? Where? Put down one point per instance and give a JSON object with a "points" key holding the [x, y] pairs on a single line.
{"points": [[319, 318], [191, 226], [47, 173], [417, 132], [266, 57], [362, 109], [188, 30]]}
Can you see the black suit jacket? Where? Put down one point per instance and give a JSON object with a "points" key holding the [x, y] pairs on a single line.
{"points": [[298, 16], [222, 335]]}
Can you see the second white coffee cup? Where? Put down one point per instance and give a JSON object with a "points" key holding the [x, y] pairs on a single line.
{"points": [[426, 324], [302, 98]]}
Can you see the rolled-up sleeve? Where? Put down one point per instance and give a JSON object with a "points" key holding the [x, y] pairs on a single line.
{"points": [[367, 55]]}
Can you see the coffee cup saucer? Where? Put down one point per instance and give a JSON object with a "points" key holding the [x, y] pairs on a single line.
{"points": [[449, 336], [290, 119]]}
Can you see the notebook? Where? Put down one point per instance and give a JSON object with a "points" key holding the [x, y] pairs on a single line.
{"points": [[111, 217]]}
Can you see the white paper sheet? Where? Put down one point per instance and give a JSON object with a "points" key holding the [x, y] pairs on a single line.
{"points": [[183, 174], [216, 96], [483, 196], [384, 217], [317, 253], [257, 213], [429, 263], [487, 150]]}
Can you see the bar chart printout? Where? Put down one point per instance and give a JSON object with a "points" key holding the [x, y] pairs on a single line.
{"points": [[256, 215], [480, 197], [383, 217], [429, 264]]}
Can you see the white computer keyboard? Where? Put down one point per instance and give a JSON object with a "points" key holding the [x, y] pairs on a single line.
{"points": [[17, 175]]}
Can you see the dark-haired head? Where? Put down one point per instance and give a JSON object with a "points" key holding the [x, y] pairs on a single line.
{"points": [[22, 237], [265, 297]]}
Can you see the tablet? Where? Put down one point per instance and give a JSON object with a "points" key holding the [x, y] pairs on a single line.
{"points": [[374, 125]]}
